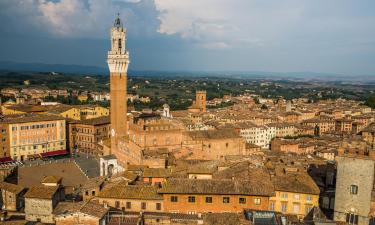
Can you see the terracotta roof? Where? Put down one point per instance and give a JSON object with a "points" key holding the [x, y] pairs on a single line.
{"points": [[299, 182], [60, 109], [51, 179], [156, 172], [224, 219], [180, 113], [27, 118], [96, 121], [126, 175], [43, 192], [11, 187], [124, 191], [29, 108], [369, 128], [93, 183], [88, 208], [201, 169], [213, 186]]}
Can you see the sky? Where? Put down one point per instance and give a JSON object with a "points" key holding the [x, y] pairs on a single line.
{"points": [[330, 36]]}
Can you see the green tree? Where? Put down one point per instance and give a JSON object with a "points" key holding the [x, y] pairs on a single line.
{"points": [[370, 101]]}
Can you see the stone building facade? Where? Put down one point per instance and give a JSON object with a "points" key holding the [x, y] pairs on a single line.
{"points": [[193, 196], [354, 188], [150, 132], [40, 201], [212, 144], [85, 135], [11, 196], [34, 135]]}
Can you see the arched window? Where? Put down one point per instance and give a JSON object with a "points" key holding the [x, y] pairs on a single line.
{"points": [[119, 44]]}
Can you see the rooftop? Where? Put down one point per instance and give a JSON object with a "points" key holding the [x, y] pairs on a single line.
{"points": [[213, 134], [88, 208], [124, 191], [213, 186], [41, 192], [297, 182], [28, 118], [11, 187]]}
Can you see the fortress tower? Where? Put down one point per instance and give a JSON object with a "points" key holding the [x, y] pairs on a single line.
{"points": [[118, 62], [200, 100]]}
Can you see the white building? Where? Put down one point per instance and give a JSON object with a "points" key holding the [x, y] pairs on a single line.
{"points": [[258, 135]]}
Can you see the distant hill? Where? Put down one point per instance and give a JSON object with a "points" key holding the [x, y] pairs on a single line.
{"points": [[41, 67], [95, 70]]}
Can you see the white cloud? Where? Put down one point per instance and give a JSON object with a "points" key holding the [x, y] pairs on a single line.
{"points": [[216, 45], [235, 22], [73, 18], [70, 18]]}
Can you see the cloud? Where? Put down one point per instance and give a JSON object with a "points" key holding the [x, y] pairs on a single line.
{"points": [[72, 18], [319, 35], [216, 21], [216, 45], [259, 23]]}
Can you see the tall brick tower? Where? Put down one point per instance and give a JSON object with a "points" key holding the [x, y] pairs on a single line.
{"points": [[118, 62], [200, 100]]}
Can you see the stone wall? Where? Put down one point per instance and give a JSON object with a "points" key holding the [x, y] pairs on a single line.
{"points": [[359, 172], [39, 210]]}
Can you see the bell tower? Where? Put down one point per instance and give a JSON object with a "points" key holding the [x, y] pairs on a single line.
{"points": [[118, 62]]}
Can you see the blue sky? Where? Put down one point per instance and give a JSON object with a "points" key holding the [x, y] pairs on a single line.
{"points": [[335, 36]]}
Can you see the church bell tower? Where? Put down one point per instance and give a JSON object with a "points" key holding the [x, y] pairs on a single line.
{"points": [[118, 62]]}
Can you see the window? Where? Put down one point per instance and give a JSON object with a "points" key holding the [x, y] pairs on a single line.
{"points": [[143, 205], [174, 199], [128, 205], [208, 199], [117, 204], [353, 189], [284, 195], [242, 200], [191, 199], [226, 199], [87, 193], [257, 201], [296, 208], [351, 218], [284, 207], [308, 208], [272, 206], [309, 198], [158, 206], [296, 197], [119, 43]]}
